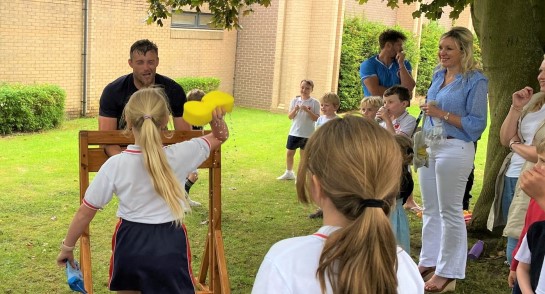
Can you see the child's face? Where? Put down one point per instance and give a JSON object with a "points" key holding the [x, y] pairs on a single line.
{"points": [[327, 108], [394, 105], [368, 111], [306, 89]]}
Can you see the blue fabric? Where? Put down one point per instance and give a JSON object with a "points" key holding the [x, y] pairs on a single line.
{"points": [[511, 244], [387, 76], [509, 185], [400, 226], [465, 97]]}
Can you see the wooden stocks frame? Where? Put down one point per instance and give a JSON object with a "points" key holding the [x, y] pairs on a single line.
{"points": [[213, 265]]}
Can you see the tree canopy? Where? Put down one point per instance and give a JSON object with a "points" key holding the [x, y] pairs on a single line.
{"points": [[225, 12]]}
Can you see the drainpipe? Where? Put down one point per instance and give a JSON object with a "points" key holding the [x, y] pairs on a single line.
{"points": [[84, 58]]}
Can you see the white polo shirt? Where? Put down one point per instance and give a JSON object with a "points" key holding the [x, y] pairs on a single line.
{"points": [[302, 124], [403, 125], [525, 255], [125, 175], [290, 267]]}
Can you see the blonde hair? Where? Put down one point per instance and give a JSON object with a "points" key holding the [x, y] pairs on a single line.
{"points": [[406, 148], [362, 256], [539, 101], [146, 113], [332, 98], [464, 39], [374, 101], [195, 95]]}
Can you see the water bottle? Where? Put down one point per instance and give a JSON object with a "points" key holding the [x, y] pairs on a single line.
{"points": [[74, 277], [377, 118], [476, 250]]}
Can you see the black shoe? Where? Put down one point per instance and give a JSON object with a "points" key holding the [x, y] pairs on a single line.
{"points": [[317, 214]]}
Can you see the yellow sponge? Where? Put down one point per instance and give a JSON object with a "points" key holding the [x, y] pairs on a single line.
{"points": [[200, 113], [197, 113], [221, 99]]}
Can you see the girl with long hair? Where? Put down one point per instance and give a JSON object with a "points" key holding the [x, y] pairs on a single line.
{"points": [[355, 250], [150, 251]]}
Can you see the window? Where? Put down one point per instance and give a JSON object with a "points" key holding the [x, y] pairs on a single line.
{"points": [[192, 20]]}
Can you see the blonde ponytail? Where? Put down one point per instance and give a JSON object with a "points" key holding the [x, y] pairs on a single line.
{"points": [[146, 112]]}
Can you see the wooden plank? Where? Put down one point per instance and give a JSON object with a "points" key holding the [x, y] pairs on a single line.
{"points": [[222, 265]]}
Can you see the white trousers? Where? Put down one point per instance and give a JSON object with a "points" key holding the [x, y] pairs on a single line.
{"points": [[442, 184]]}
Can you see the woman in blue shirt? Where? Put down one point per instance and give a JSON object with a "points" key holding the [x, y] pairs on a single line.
{"points": [[456, 107]]}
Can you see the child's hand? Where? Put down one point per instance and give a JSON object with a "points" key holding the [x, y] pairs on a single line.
{"points": [[65, 256], [531, 182], [218, 126], [383, 113], [512, 278]]}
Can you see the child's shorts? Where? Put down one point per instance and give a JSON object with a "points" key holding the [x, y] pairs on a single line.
{"points": [[296, 142], [151, 258]]}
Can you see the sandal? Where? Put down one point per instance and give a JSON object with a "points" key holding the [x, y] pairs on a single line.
{"points": [[448, 286], [427, 273]]}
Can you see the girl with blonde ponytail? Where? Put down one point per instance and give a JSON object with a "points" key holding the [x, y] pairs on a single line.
{"points": [[150, 248], [355, 250]]}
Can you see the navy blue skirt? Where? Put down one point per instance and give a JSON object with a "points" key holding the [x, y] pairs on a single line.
{"points": [[151, 258]]}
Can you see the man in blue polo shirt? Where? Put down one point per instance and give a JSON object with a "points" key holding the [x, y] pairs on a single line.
{"points": [[387, 68]]}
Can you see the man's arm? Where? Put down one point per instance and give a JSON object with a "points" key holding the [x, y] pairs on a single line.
{"points": [[373, 86], [180, 124], [407, 80], [109, 124]]}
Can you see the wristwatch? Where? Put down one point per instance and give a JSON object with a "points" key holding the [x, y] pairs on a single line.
{"points": [[446, 116]]}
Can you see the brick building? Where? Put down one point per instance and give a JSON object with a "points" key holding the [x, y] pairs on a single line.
{"points": [[83, 45]]}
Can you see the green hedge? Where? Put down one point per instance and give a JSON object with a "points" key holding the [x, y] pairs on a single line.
{"points": [[429, 47], [206, 84], [29, 108], [360, 41]]}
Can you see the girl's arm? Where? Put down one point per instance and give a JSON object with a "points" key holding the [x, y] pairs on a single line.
{"points": [[527, 152], [220, 132], [509, 126], [523, 278], [81, 220]]}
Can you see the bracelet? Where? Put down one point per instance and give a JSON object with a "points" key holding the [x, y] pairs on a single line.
{"points": [[511, 144], [67, 248], [517, 109]]}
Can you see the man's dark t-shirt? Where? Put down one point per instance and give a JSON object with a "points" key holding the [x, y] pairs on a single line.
{"points": [[116, 95]]}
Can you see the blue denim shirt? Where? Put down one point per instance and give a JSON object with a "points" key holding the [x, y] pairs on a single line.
{"points": [[465, 97]]}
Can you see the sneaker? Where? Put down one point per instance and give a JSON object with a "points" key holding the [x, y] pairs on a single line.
{"points": [[193, 203], [318, 214], [288, 175]]}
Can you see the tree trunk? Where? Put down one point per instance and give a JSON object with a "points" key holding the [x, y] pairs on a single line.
{"points": [[511, 35]]}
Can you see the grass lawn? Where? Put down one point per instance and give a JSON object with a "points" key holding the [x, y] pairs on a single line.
{"points": [[39, 196]]}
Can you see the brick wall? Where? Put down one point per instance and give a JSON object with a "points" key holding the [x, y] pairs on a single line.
{"points": [[46, 46], [289, 41], [39, 46], [255, 57]]}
